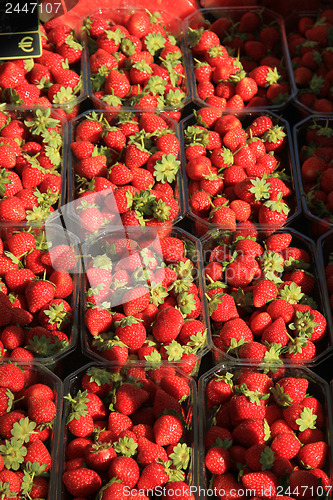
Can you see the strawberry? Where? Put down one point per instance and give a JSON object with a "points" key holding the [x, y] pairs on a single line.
{"points": [[261, 481], [286, 445], [38, 294], [129, 399], [12, 377], [168, 429], [37, 452], [135, 300], [161, 329], [82, 481]]}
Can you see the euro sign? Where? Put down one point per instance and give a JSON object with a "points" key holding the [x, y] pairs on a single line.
{"points": [[26, 44]]}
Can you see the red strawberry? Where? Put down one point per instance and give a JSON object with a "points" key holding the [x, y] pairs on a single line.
{"points": [[12, 210], [82, 481], [260, 482], [164, 319], [38, 294], [12, 377]]}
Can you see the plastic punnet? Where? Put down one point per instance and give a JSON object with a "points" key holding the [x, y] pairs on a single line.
{"points": [[284, 170], [306, 148], [104, 199], [317, 388], [142, 376], [135, 271], [277, 267], [278, 51]]}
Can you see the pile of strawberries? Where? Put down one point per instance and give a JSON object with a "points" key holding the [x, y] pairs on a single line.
{"points": [[142, 299], [135, 61], [310, 49], [266, 435], [36, 295], [126, 170], [315, 144], [261, 296], [28, 409], [238, 170], [129, 435], [238, 60], [31, 163], [53, 79]]}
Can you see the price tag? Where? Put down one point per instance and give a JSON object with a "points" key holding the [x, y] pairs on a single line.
{"points": [[19, 29]]}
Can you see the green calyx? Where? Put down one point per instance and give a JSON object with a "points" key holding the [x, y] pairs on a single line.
{"points": [[31, 470], [57, 314], [161, 211], [291, 293], [195, 35], [272, 359], [282, 398], [181, 455], [99, 376], [277, 205], [78, 405], [13, 453], [186, 303], [260, 189], [53, 155], [154, 358], [198, 341], [235, 345], [73, 44], [316, 83], [126, 446], [115, 35], [195, 135], [297, 345], [4, 181], [181, 285], [142, 66], [156, 85], [174, 474], [23, 429], [184, 270], [166, 168], [307, 419], [154, 42], [158, 293], [303, 324], [43, 347], [106, 342], [267, 458], [128, 321], [174, 97], [272, 77], [127, 47], [102, 262], [112, 100], [64, 95], [215, 51], [144, 202], [274, 134], [174, 351], [5, 491], [252, 396], [272, 262], [52, 137], [227, 157], [41, 122]]}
